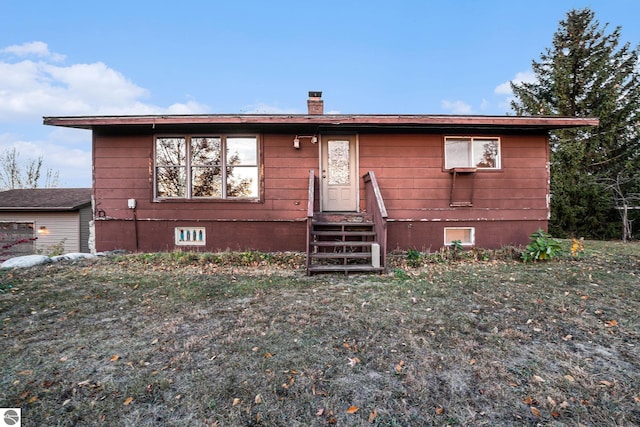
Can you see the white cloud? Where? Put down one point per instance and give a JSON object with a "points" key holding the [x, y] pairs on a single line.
{"points": [[262, 108], [523, 76], [456, 107], [35, 84], [72, 164], [37, 49], [32, 89], [190, 107], [504, 89]]}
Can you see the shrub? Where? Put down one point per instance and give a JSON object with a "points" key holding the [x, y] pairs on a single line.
{"points": [[456, 249], [577, 247], [542, 247], [414, 258]]}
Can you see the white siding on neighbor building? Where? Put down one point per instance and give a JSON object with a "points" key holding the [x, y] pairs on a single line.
{"points": [[60, 227]]}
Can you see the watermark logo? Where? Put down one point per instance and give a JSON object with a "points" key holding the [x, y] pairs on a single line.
{"points": [[10, 417]]}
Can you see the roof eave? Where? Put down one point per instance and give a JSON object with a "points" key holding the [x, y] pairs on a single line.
{"points": [[335, 120], [43, 208]]}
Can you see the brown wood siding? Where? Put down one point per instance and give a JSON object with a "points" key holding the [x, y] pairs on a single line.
{"points": [[156, 236], [415, 186], [429, 236], [508, 204]]}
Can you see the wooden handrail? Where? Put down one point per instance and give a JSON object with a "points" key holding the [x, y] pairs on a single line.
{"points": [[311, 196], [310, 210], [378, 211], [371, 177]]}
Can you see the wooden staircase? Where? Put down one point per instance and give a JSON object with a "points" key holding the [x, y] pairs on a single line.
{"points": [[347, 242], [343, 243]]}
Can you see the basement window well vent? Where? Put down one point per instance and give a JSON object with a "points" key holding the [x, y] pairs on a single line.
{"points": [[190, 236]]}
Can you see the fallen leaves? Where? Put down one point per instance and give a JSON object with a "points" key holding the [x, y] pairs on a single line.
{"points": [[352, 409], [317, 391], [128, 401], [353, 361], [611, 323], [331, 419]]}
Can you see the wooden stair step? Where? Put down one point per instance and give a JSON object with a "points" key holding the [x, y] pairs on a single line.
{"points": [[362, 268], [339, 243], [340, 255], [342, 218], [342, 233], [341, 224]]}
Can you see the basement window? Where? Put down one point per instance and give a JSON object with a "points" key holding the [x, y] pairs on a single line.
{"points": [[206, 167], [465, 235], [472, 152], [190, 236]]}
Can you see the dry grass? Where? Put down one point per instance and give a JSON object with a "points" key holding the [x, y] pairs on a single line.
{"points": [[178, 339]]}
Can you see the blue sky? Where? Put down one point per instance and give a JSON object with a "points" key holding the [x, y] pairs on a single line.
{"points": [[70, 58]]}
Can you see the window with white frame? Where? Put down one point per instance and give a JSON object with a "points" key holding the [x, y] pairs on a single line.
{"points": [[472, 152], [214, 166], [465, 235]]}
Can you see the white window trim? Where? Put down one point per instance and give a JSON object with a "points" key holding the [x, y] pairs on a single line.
{"points": [[472, 235], [190, 236], [471, 140]]}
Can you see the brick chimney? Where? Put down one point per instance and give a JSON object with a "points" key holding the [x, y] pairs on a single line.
{"points": [[315, 104]]}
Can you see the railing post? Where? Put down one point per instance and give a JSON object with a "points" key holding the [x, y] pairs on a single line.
{"points": [[375, 206], [310, 211]]}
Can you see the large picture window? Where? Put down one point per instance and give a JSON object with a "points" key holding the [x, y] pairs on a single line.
{"points": [[215, 167], [468, 152]]}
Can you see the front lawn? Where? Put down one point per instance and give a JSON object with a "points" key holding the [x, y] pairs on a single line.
{"points": [[179, 339]]}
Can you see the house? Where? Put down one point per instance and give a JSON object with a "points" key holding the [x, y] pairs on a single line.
{"points": [[345, 188], [42, 220]]}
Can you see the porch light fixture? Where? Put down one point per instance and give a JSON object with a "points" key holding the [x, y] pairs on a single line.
{"points": [[43, 230], [296, 140]]}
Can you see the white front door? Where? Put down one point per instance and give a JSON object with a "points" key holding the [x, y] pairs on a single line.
{"points": [[339, 177]]}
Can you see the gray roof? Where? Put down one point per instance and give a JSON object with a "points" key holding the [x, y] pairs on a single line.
{"points": [[45, 199]]}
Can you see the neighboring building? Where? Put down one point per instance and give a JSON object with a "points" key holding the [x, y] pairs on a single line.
{"points": [[269, 182], [41, 220]]}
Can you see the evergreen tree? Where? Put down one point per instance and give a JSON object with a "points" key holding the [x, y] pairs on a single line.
{"points": [[586, 73]]}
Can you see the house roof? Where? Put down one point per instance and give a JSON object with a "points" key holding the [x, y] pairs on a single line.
{"points": [[315, 123], [45, 199]]}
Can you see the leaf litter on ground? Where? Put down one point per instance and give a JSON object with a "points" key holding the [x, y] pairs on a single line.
{"points": [[181, 339]]}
